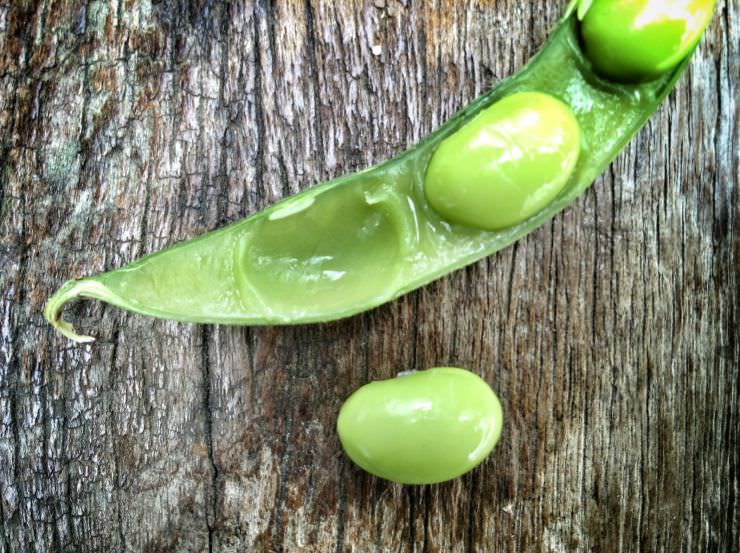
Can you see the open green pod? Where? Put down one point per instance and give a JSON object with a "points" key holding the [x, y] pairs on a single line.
{"points": [[361, 240]]}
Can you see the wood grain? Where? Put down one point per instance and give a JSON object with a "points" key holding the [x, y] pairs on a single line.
{"points": [[610, 334]]}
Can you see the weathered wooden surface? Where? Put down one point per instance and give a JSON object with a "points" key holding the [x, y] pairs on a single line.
{"points": [[610, 334]]}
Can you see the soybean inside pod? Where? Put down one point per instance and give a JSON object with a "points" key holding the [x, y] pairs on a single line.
{"points": [[361, 240]]}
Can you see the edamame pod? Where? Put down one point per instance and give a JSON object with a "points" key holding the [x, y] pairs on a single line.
{"points": [[423, 427], [364, 239]]}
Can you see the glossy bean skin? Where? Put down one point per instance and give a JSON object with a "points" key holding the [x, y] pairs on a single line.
{"points": [[638, 40], [361, 240], [506, 164], [421, 428]]}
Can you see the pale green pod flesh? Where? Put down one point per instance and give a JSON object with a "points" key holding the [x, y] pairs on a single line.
{"points": [[421, 428], [364, 239]]}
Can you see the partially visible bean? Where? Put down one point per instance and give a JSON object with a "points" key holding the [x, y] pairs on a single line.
{"points": [[505, 165], [639, 40], [421, 428]]}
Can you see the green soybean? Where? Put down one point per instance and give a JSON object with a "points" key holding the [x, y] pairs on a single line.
{"points": [[364, 239], [421, 428], [506, 164], [638, 40]]}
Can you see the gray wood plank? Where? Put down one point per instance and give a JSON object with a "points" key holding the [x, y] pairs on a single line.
{"points": [[610, 334]]}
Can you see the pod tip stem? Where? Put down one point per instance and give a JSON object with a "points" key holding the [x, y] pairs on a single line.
{"points": [[69, 291]]}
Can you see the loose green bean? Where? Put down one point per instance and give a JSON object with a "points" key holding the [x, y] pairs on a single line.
{"points": [[364, 239], [421, 428]]}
